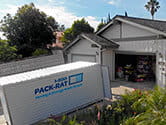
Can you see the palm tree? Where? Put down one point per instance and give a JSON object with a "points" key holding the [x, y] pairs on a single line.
{"points": [[152, 6]]}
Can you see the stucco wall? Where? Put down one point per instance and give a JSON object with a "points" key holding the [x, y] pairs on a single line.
{"points": [[31, 64]]}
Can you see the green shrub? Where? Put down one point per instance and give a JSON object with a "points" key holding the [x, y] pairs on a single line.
{"points": [[7, 52], [61, 121], [39, 52], [155, 113], [134, 108]]}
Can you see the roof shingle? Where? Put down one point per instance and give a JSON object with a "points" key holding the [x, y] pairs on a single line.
{"points": [[102, 41]]}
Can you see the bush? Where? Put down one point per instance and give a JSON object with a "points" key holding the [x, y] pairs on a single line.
{"points": [[134, 108], [61, 121], [39, 52], [7, 52], [155, 113]]}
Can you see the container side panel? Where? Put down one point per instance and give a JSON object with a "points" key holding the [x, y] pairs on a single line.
{"points": [[34, 100], [4, 105]]}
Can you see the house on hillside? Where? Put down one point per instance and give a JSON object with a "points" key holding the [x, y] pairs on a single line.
{"points": [[133, 49]]}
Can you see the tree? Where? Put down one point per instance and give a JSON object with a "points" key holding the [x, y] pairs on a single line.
{"points": [[61, 28], [78, 27], [68, 35], [104, 22], [7, 52], [108, 18], [101, 25], [126, 14], [29, 29], [152, 6]]}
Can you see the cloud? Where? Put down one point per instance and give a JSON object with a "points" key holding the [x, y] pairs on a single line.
{"points": [[111, 2], [11, 9], [60, 13], [2, 36], [114, 2], [62, 16]]}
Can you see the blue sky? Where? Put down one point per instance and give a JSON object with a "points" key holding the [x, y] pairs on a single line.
{"points": [[66, 11]]}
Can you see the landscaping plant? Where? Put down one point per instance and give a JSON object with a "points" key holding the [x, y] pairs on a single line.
{"points": [[134, 108]]}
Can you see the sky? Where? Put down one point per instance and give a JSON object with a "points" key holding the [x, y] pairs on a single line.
{"points": [[66, 11]]}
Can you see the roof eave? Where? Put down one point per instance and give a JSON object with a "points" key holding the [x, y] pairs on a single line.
{"points": [[72, 43], [131, 23], [112, 46], [94, 42], [153, 30]]}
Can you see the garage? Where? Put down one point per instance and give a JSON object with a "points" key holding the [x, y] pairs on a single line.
{"points": [[81, 57], [135, 68], [88, 47]]}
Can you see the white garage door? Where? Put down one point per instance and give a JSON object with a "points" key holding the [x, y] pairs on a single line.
{"points": [[79, 57]]}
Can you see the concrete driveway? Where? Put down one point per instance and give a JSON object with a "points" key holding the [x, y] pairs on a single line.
{"points": [[119, 87]]}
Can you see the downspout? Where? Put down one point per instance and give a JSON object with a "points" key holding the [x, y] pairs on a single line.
{"points": [[101, 56], [157, 59], [101, 51], [121, 30]]}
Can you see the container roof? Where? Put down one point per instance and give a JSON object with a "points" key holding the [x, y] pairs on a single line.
{"points": [[16, 78]]}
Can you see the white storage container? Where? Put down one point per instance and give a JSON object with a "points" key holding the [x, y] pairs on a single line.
{"points": [[32, 96]]}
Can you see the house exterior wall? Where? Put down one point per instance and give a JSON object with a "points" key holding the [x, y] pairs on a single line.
{"points": [[129, 31], [124, 30], [161, 63], [148, 47], [144, 46], [112, 32], [108, 59], [83, 47]]}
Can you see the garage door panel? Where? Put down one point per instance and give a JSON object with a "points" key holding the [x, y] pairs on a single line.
{"points": [[79, 57]]}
